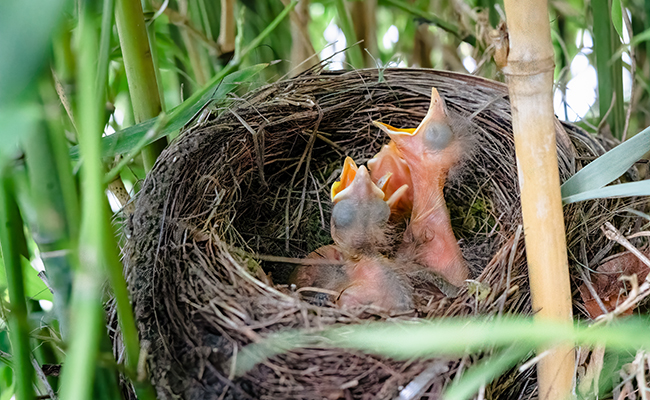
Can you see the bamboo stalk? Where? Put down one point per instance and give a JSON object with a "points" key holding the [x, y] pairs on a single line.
{"points": [[11, 236], [227, 27], [140, 72], [353, 53], [529, 75]]}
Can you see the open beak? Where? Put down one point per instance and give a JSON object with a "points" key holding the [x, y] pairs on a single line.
{"points": [[432, 134], [361, 189], [347, 176], [391, 173]]}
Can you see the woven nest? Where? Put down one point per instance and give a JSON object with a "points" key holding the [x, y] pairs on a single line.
{"points": [[255, 179]]}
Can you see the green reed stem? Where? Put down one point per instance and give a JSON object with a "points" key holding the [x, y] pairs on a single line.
{"points": [[11, 241]]}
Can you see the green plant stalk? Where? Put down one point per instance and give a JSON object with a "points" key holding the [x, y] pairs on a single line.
{"points": [[11, 235], [140, 72], [151, 35], [87, 314], [432, 18], [610, 74], [98, 251], [646, 6], [105, 46], [355, 57], [50, 222]]}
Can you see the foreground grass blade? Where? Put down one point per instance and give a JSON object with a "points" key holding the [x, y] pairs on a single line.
{"points": [[11, 235], [608, 167], [26, 28], [453, 337]]}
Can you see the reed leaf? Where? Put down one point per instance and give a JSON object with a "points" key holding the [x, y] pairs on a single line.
{"points": [[608, 167], [641, 188]]}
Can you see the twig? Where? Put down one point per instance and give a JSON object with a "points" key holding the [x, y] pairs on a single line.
{"points": [[41, 377]]}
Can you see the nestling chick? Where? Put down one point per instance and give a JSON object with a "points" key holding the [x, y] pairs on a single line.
{"points": [[430, 150], [360, 216], [359, 229], [332, 278]]}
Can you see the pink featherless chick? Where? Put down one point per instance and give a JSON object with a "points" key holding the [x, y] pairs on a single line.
{"points": [[430, 150]]}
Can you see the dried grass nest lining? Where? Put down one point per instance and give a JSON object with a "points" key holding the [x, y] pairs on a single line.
{"points": [[260, 172]]}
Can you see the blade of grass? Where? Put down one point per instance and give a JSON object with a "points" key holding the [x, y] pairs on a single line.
{"points": [[609, 166], [353, 52], [455, 336], [140, 72], [11, 236]]}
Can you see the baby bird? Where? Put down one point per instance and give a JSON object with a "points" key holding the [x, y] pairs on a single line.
{"points": [[359, 274], [359, 229], [430, 150]]}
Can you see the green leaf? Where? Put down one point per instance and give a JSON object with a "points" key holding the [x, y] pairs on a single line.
{"points": [[641, 188], [35, 289], [609, 166], [124, 141], [484, 372], [617, 17]]}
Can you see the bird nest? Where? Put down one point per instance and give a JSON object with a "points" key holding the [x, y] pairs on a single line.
{"points": [[234, 199]]}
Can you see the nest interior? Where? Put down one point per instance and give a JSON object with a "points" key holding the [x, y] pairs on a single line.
{"points": [[255, 179]]}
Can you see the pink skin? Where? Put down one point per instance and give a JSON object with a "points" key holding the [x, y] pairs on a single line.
{"points": [[375, 282], [430, 151]]}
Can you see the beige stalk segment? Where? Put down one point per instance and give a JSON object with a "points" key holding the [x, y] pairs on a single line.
{"points": [[529, 73]]}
